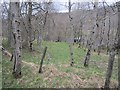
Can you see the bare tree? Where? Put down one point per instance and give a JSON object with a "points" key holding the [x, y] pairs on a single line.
{"points": [[109, 26], [118, 44], [90, 42], [108, 34], [110, 67], [17, 39], [115, 47], [25, 31], [102, 30], [71, 28], [30, 26], [10, 39]]}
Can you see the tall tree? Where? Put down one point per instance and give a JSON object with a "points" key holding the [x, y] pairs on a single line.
{"points": [[110, 67], [71, 28], [24, 13], [90, 42], [118, 43], [103, 30], [81, 33], [115, 47], [10, 39], [17, 39], [108, 34], [30, 25]]}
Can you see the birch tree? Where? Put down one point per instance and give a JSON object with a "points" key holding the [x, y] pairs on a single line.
{"points": [[71, 28], [23, 14], [118, 44], [30, 25], [10, 39], [17, 39], [108, 34], [102, 30], [90, 42], [115, 47]]}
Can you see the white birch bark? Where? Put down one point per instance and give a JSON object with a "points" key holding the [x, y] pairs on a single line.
{"points": [[17, 40]]}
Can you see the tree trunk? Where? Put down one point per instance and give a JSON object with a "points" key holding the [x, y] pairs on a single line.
{"points": [[10, 39], [91, 41], [119, 66], [71, 28], [81, 34], [118, 44], [39, 40], [110, 67], [25, 38], [25, 34], [41, 63], [71, 55], [30, 26], [108, 34], [112, 54], [102, 31], [17, 40], [87, 58]]}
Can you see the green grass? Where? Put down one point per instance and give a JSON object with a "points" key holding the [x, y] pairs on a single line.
{"points": [[57, 72]]}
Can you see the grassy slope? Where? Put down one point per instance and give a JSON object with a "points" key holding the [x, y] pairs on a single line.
{"points": [[57, 71]]}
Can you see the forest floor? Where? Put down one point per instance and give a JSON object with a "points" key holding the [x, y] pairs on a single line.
{"points": [[57, 72]]}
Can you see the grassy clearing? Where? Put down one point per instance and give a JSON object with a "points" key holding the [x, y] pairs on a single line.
{"points": [[57, 71]]}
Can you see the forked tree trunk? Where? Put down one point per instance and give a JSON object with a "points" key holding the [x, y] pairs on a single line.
{"points": [[17, 40]]}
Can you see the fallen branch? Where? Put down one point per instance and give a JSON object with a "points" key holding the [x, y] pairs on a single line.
{"points": [[5, 52]]}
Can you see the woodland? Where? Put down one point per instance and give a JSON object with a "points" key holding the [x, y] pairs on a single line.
{"points": [[42, 47]]}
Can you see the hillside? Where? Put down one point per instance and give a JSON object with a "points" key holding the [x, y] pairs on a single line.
{"points": [[57, 72]]}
